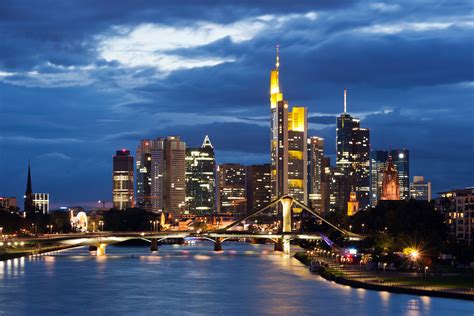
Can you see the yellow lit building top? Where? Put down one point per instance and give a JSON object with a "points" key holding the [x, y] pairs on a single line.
{"points": [[296, 119], [275, 94]]}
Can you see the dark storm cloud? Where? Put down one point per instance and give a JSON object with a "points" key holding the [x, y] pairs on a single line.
{"points": [[66, 106]]}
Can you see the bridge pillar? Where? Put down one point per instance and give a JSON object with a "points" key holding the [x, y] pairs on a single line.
{"points": [[279, 245], [101, 249], [286, 202], [286, 245], [218, 245], [154, 245]]}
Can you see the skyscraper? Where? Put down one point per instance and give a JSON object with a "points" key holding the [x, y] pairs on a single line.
{"points": [[419, 189], [298, 154], [231, 191], [41, 202], [378, 162], [401, 160], [200, 179], [28, 206], [174, 183], [258, 186], [288, 143], [353, 159], [315, 172], [122, 179], [143, 174]]}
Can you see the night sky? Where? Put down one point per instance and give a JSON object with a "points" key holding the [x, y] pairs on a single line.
{"points": [[80, 79]]}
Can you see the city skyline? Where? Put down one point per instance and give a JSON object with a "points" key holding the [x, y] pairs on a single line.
{"points": [[72, 113]]}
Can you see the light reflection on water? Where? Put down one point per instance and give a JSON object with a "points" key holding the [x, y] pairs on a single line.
{"points": [[242, 280]]}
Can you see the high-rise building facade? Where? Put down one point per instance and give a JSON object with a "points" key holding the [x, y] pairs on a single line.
{"points": [[41, 202], [174, 183], [419, 189], [288, 146], [161, 180], [353, 159], [378, 163], [200, 179], [401, 160], [258, 186], [143, 174], [315, 172], [122, 180], [232, 189], [298, 153], [7, 202]]}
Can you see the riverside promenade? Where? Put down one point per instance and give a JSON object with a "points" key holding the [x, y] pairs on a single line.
{"points": [[458, 286]]}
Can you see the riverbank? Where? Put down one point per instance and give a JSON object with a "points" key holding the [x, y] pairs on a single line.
{"points": [[18, 253], [396, 284]]}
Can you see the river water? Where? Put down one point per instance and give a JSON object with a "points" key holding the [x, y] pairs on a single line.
{"points": [[244, 279]]}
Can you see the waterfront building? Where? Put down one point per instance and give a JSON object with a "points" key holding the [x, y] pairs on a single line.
{"points": [[231, 190], [390, 185], [352, 159], [419, 189], [41, 202], [174, 182], [122, 180], [7, 202], [200, 179], [401, 160], [258, 186], [457, 206], [288, 143], [315, 172]]}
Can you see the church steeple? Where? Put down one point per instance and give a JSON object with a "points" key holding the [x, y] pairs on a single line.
{"points": [[28, 207]]}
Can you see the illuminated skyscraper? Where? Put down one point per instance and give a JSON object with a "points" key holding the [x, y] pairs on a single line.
{"points": [[200, 179], [174, 184], [258, 186], [232, 195], [122, 179], [378, 162], [143, 174], [41, 202], [288, 143], [401, 160], [315, 172], [353, 159]]}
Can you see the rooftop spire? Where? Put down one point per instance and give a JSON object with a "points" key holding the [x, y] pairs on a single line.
{"points": [[207, 142], [277, 64], [345, 100], [28, 181]]}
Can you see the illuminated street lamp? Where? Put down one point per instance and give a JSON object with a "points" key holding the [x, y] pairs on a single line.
{"points": [[426, 269], [384, 265], [101, 225], [363, 228], [350, 228]]}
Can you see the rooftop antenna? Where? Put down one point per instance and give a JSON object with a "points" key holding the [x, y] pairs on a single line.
{"points": [[345, 100], [277, 56]]}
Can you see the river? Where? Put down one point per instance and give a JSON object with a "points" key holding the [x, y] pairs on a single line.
{"points": [[244, 279]]}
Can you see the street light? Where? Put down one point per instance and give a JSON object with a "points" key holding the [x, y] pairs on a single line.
{"points": [[363, 228], [350, 228], [426, 269], [384, 265], [101, 225]]}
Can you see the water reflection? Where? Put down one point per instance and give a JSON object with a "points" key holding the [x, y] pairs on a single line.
{"points": [[242, 280]]}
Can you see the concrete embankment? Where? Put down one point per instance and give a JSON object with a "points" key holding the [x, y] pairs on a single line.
{"points": [[30, 252]]}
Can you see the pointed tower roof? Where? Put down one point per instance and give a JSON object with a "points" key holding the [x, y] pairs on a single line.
{"points": [[207, 142], [28, 181]]}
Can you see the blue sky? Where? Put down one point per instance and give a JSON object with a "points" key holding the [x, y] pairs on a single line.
{"points": [[80, 79]]}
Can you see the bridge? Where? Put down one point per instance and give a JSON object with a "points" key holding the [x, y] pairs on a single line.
{"points": [[282, 239]]}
